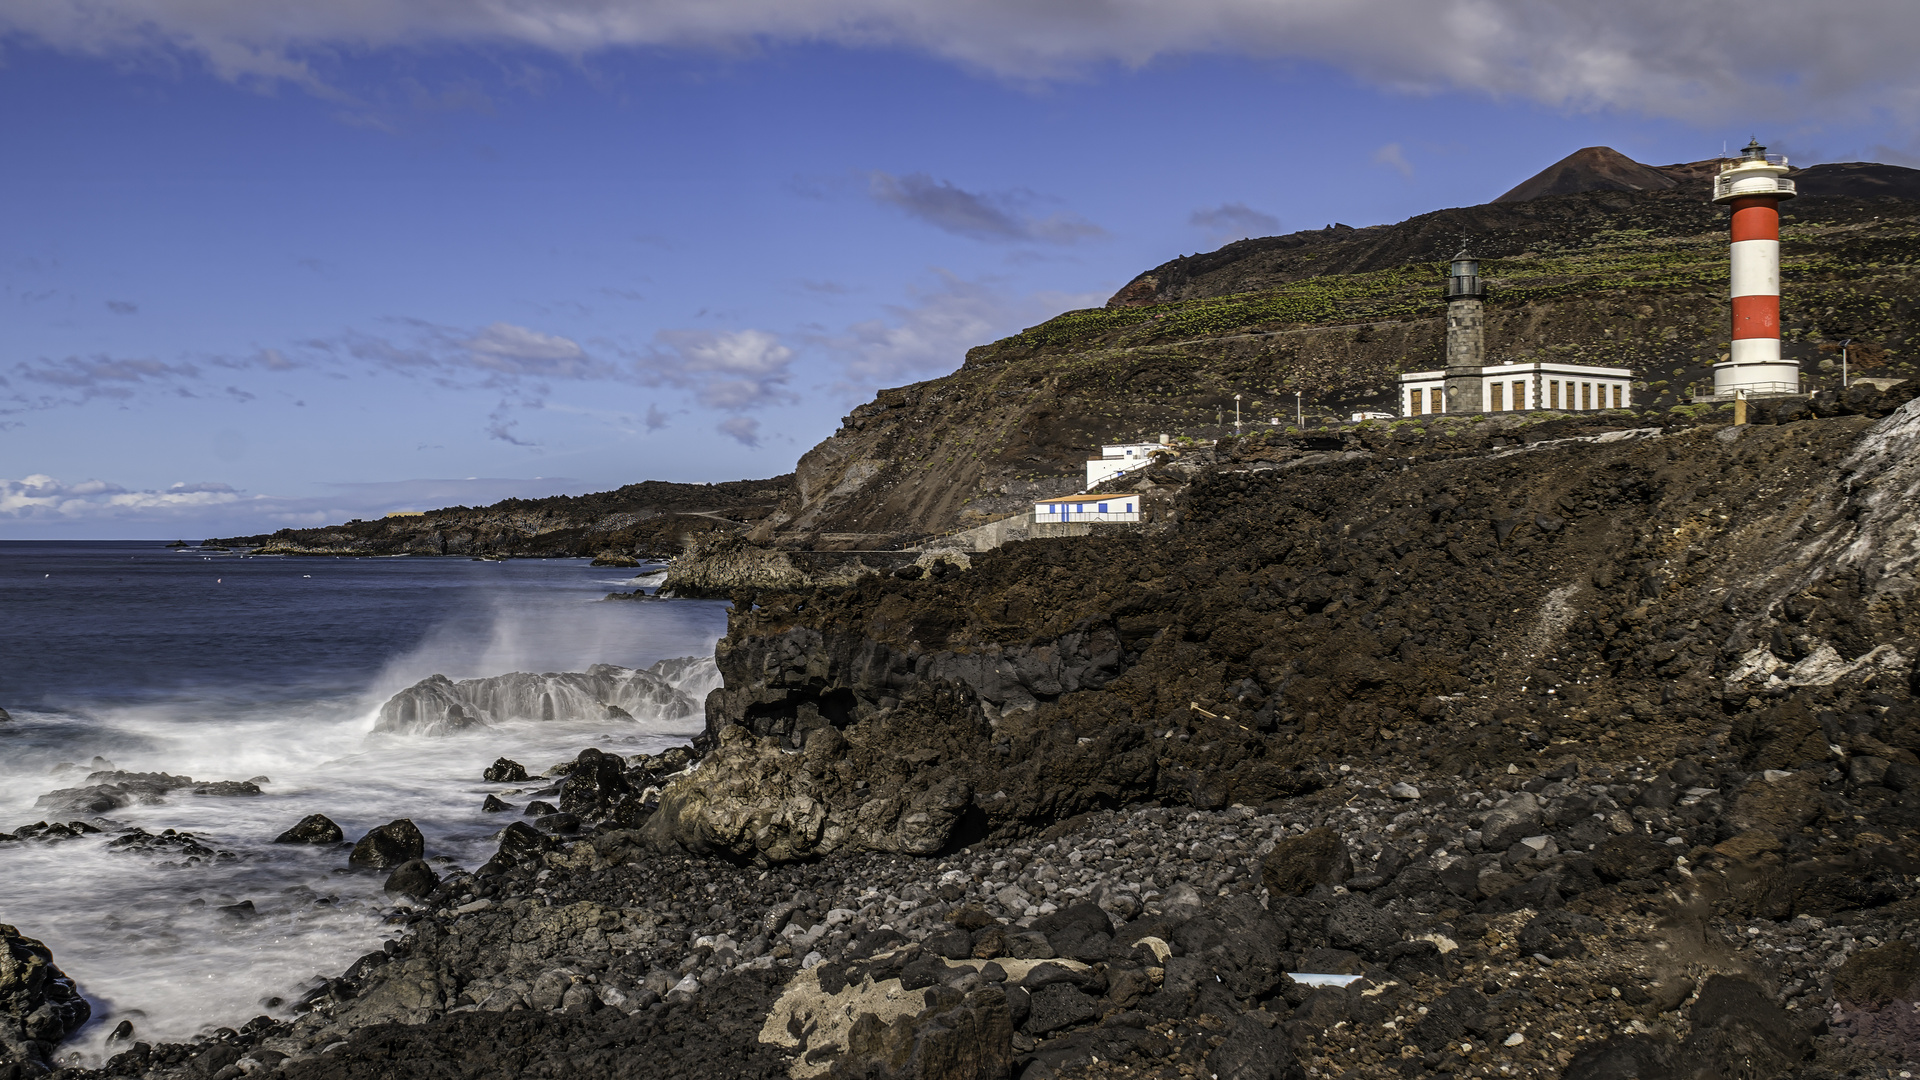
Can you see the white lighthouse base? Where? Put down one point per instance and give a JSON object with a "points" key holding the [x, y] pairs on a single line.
{"points": [[1765, 379]]}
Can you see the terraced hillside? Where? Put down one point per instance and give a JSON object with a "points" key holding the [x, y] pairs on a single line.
{"points": [[1609, 277]]}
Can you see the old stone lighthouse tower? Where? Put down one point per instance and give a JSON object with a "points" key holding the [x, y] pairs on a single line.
{"points": [[1466, 335]]}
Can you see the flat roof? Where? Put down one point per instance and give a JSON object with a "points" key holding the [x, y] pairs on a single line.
{"points": [[1547, 367], [1082, 498]]}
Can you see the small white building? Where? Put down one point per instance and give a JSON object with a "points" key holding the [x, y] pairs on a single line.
{"points": [[1524, 387], [1072, 509], [1119, 460]]}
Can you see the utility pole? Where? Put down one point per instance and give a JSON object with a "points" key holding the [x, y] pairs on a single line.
{"points": [[1299, 412], [1236, 416]]}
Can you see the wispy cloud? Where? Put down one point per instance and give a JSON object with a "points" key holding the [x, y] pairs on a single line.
{"points": [[744, 430], [74, 380], [931, 334], [1711, 59], [123, 307], [1234, 221], [1393, 158], [995, 216]]}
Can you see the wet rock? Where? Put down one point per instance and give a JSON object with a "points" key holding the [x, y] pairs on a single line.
{"points": [[439, 706], [312, 829], [505, 771], [227, 787], [521, 841], [1298, 863], [39, 1004], [493, 804], [413, 879], [388, 846], [594, 786]]}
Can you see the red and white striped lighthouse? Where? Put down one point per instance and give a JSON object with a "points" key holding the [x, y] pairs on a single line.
{"points": [[1754, 186]]}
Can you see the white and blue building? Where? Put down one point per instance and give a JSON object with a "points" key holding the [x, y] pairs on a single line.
{"points": [[1076, 509]]}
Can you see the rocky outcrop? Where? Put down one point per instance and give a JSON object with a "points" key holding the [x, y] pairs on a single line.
{"points": [[718, 566], [39, 1004], [750, 799], [439, 706], [110, 790]]}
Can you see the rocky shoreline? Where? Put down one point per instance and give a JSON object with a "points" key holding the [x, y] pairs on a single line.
{"points": [[1567, 920]]}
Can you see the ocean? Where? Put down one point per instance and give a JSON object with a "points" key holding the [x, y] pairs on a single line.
{"points": [[224, 666]]}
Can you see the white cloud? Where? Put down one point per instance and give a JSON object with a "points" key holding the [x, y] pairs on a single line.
{"points": [[731, 370], [1393, 158], [42, 496], [1706, 59]]}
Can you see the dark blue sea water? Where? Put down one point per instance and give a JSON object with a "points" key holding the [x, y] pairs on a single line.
{"points": [[223, 666]]}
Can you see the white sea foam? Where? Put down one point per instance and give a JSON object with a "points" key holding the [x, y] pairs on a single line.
{"points": [[146, 940]]}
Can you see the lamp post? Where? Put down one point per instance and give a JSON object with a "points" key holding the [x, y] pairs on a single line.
{"points": [[1236, 416], [1843, 362], [1299, 412]]}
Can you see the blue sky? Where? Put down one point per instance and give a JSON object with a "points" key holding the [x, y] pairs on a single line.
{"points": [[268, 263]]}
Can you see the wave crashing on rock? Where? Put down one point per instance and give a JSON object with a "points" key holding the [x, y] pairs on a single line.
{"points": [[669, 690]]}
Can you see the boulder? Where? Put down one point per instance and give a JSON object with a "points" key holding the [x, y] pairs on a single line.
{"points": [[594, 786], [388, 846], [1358, 925], [312, 829], [39, 1004], [1298, 863], [968, 1040], [413, 879], [752, 800], [495, 805], [1516, 818], [505, 771]]}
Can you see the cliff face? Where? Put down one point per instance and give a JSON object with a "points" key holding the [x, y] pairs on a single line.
{"points": [[654, 518], [1631, 278], [1449, 596]]}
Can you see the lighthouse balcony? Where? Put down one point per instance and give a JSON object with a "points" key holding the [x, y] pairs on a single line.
{"points": [[1742, 182]]}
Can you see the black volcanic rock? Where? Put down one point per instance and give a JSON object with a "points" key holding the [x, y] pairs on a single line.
{"points": [[39, 1004], [312, 829], [1596, 168], [388, 846], [505, 771]]}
